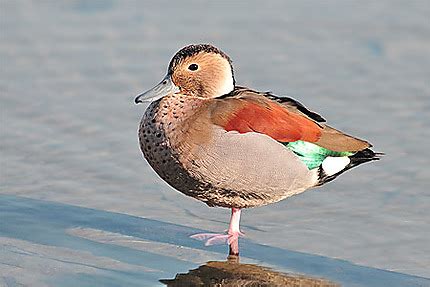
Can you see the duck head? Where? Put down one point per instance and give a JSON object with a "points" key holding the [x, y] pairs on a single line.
{"points": [[201, 71]]}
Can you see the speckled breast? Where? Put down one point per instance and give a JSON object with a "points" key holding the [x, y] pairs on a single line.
{"points": [[160, 127]]}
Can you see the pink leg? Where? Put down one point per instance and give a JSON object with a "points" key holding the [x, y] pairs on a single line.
{"points": [[232, 236], [234, 232]]}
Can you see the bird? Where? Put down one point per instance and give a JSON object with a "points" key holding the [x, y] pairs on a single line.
{"points": [[234, 147]]}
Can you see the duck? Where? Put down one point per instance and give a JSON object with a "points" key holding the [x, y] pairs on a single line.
{"points": [[234, 147]]}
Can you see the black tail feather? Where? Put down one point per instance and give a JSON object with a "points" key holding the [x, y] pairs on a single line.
{"points": [[358, 158]]}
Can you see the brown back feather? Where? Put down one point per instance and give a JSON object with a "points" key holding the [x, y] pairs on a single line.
{"points": [[331, 138]]}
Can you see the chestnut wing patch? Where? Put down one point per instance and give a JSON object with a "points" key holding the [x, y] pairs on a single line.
{"points": [[273, 120]]}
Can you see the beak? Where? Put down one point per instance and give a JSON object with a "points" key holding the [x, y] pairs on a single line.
{"points": [[164, 88]]}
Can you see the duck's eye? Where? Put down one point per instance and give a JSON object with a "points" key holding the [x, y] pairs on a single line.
{"points": [[193, 67]]}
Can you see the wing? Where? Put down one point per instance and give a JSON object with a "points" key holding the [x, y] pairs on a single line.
{"points": [[283, 119]]}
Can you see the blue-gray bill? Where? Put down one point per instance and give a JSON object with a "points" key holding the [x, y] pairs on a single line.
{"points": [[164, 88]]}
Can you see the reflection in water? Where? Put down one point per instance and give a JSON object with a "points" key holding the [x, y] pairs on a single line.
{"points": [[89, 247], [233, 273]]}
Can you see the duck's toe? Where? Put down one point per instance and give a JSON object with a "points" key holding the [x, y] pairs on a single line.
{"points": [[217, 238]]}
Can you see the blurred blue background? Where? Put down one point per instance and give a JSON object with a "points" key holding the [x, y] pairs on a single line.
{"points": [[69, 72]]}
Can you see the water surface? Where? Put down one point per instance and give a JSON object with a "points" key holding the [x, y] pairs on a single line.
{"points": [[69, 73]]}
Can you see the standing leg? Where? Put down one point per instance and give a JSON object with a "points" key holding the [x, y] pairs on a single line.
{"points": [[232, 236], [234, 232]]}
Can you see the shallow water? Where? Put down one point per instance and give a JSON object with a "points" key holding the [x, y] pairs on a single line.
{"points": [[69, 73], [63, 245]]}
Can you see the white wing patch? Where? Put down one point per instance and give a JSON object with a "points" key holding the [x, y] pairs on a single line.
{"points": [[332, 165]]}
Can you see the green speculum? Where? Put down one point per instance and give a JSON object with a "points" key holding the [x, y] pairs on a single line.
{"points": [[311, 154]]}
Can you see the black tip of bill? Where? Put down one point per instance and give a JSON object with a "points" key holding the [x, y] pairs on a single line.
{"points": [[138, 100]]}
